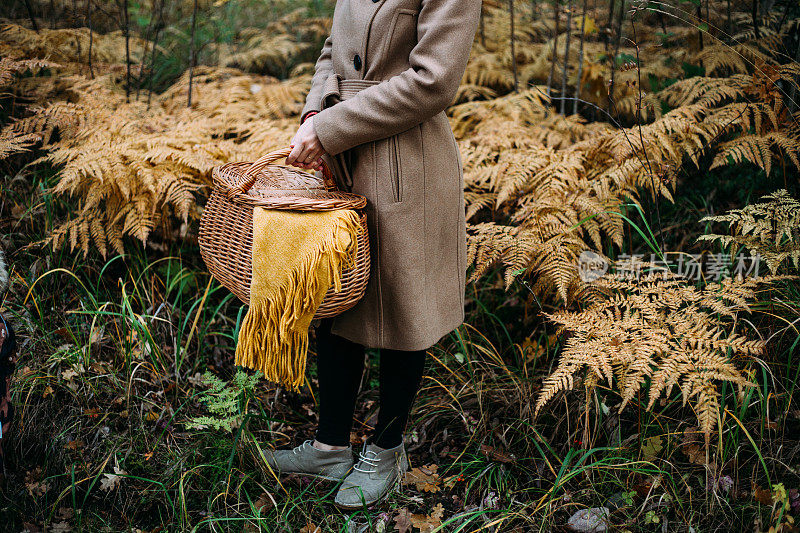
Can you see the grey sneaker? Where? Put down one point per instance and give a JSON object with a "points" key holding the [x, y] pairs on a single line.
{"points": [[376, 474], [306, 459]]}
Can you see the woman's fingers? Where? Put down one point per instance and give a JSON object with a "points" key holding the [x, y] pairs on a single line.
{"points": [[291, 159], [306, 148], [315, 164], [313, 156], [305, 156]]}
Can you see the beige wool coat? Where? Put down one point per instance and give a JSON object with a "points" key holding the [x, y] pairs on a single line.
{"points": [[382, 82]]}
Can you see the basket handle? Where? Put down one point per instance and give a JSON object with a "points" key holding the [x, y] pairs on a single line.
{"points": [[264, 161]]}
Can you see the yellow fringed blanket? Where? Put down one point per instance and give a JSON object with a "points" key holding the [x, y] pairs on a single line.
{"points": [[297, 256]]}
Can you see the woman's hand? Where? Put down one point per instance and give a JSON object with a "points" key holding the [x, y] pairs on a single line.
{"points": [[307, 151]]}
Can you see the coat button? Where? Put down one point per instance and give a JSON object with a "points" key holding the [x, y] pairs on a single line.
{"points": [[357, 62]]}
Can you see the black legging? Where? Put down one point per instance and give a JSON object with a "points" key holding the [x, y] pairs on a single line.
{"points": [[340, 364]]}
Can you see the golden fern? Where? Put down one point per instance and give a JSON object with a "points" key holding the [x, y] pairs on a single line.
{"points": [[10, 68], [69, 45], [134, 169], [770, 229], [657, 333], [16, 143]]}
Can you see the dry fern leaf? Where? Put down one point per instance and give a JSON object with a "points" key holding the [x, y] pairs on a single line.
{"points": [[656, 334], [770, 229]]}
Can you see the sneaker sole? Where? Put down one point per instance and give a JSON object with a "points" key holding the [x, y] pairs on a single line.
{"points": [[309, 474], [383, 498], [315, 476]]}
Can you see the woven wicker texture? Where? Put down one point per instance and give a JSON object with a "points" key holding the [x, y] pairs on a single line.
{"points": [[226, 227]]}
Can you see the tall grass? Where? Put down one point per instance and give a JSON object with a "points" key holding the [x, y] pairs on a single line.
{"points": [[110, 375]]}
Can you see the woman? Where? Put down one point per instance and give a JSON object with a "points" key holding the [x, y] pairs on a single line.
{"points": [[375, 113]]}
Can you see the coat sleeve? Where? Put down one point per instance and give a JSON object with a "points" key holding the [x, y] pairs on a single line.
{"points": [[322, 69], [445, 31]]}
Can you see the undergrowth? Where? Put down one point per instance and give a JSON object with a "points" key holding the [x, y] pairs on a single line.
{"points": [[668, 404]]}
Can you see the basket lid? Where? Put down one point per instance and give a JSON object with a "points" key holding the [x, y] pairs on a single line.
{"points": [[265, 184]]}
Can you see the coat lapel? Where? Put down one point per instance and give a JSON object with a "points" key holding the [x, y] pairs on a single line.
{"points": [[372, 10]]}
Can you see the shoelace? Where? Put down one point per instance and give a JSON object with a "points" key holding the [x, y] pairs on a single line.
{"points": [[369, 460], [297, 449]]}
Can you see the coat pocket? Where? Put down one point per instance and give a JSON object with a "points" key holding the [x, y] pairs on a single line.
{"points": [[395, 174], [400, 40]]}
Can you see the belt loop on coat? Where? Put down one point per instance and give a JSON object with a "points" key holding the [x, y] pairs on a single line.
{"points": [[350, 88], [338, 90], [343, 89]]}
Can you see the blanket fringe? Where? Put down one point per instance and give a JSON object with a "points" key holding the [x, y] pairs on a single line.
{"points": [[274, 334]]}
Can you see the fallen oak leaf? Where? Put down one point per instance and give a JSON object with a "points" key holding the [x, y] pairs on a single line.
{"points": [[402, 522], [532, 349], [450, 481], [497, 455], [65, 513], [65, 334], [111, 481], [263, 500], [74, 445], [692, 445], [652, 447], [763, 496], [426, 524], [424, 478], [695, 453], [97, 334], [37, 488], [34, 483], [60, 527]]}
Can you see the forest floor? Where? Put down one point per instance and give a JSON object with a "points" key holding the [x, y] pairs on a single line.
{"points": [[131, 415], [112, 358]]}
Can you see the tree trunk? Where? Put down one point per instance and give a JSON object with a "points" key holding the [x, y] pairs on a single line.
{"points": [[513, 48], [91, 36], [151, 25], [159, 26], [580, 62], [555, 51], [75, 24], [730, 27], [663, 22], [127, 51], [566, 59], [699, 27], [783, 17], [609, 26], [617, 39], [29, 9], [755, 19], [192, 54]]}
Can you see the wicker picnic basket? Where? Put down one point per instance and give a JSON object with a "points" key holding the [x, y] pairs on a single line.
{"points": [[226, 227]]}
